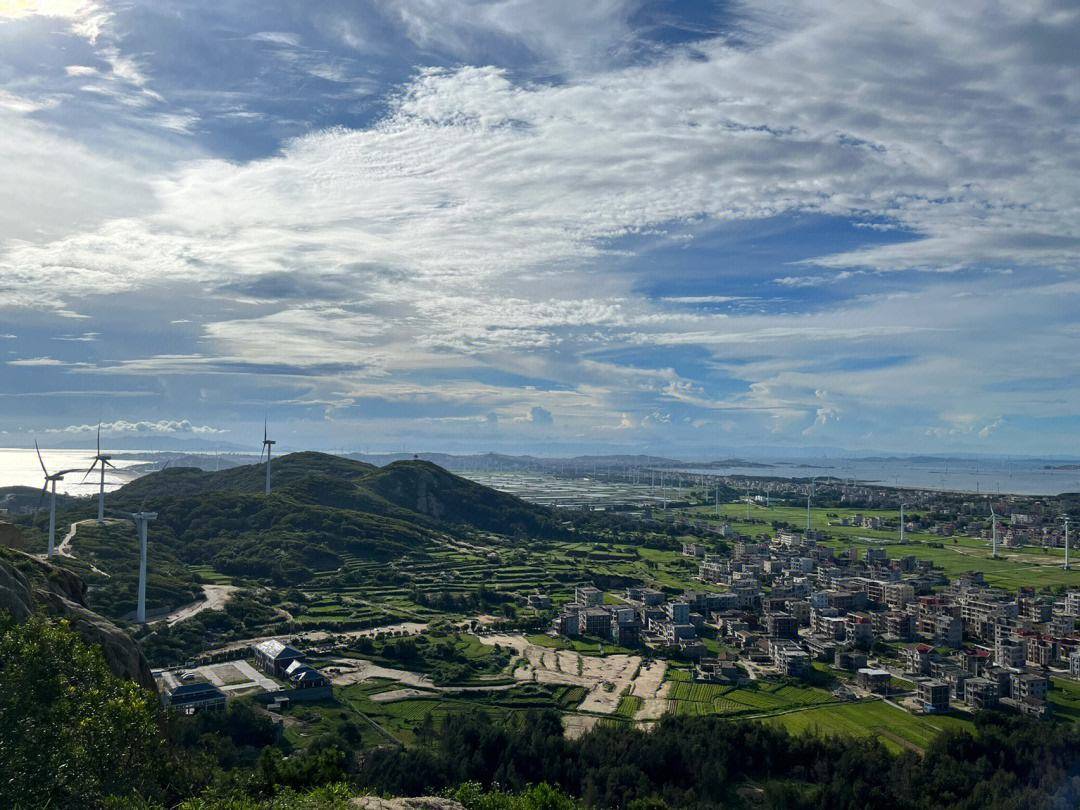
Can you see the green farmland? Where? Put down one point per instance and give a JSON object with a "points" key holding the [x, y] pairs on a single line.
{"points": [[894, 727], [1026, 566]]}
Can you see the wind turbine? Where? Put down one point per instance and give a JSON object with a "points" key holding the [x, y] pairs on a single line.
{"points": [[102, 459], [50, 478], [268, 443], [993, 529], [1066, 566], [809, 495]]}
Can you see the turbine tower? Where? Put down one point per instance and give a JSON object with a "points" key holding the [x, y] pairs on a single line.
{"points": [[809, 495], [268, 443], [993, 529], [50, 479], [1066, 566], [902, 505], [104, 461], [142, 520]]}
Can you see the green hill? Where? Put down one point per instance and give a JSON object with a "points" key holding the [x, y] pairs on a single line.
{"points": [[428, 490], [323, 510]]}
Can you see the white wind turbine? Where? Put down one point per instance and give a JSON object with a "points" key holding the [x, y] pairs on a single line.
{"points": [[50, 478], [268, 444], [104, 461], [1066, 566], [809, 495], [993, 529]]}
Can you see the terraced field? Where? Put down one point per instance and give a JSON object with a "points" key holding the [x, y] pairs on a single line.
{"points": [[691, 698]]}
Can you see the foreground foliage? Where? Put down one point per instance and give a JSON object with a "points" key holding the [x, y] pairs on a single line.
{"points": [[70, 731], [72, 734]]}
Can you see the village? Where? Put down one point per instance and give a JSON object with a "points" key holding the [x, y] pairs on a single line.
{"points": [[873, 624]]}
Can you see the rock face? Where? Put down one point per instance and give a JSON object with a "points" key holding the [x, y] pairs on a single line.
{"points": [[415, 803], [28, 585]]}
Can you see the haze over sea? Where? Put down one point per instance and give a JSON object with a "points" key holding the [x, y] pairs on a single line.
{"points": [[1029, 476]]}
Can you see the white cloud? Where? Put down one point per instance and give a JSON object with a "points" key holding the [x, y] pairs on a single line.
{"points": [[482, 224], [36, 361], [159, 427]]}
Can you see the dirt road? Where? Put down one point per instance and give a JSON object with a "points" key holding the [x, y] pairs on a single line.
{"points": [[214, 598]]}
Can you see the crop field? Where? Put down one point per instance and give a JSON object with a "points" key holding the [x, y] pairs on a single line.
{"points": [[897, 729], [691, 698], [366, 593], [1064, 699], [629, 706], [400, 719]]}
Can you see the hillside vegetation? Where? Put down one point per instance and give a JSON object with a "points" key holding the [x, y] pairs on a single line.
{"points": [[322, 511]]}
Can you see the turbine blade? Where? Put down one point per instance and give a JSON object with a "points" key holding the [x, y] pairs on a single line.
{"points": [[37, 509], [41, 461], [89, 471], [108, 464], [99, 438], [266, 428]]}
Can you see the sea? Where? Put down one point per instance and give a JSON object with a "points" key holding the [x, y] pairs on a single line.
{"points": [[20, 467], [981, 476]]}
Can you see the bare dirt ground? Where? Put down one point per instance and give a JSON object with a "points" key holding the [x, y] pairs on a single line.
{"points": [[578, 725], [398, 694], [607, 678], [345, 671], [215, 597], [651, 687]]}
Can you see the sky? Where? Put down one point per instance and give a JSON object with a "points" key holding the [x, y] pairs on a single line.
{"points": [[553, 226]]}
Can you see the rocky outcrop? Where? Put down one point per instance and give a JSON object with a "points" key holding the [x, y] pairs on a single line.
{"points": [[29, 585], [415, 803]]}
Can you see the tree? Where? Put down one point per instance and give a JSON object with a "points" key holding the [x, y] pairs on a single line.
{"points": [[71, 732]]}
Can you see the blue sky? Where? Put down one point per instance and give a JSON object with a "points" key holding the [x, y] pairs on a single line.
{"points": [[680, 227]]}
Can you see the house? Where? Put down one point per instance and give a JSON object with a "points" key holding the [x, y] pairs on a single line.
{"points": [[540, 601], [1010, 652], [273, 657], [301, 676], [981, 693], [934, 696], [849, 659], [918, 659], [782, 625], [874, 680], [594, 621], [191, 698], [1027, 685], [588, 595]]}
